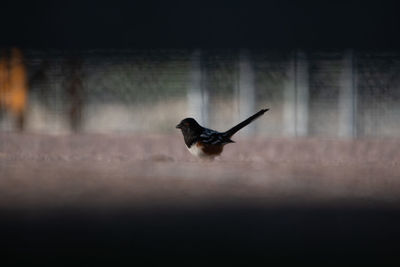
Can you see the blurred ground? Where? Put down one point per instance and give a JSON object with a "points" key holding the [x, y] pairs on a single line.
{"points": [[40, 170], [97, 199]]}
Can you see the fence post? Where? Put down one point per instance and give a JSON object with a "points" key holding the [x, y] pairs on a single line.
{"points": [[198, 96], [347, 103], [289, 98], [246, 90], [302, 94], [296, 96]]}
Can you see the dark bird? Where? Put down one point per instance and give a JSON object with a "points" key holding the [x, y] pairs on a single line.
{"points": [[206, 143]]}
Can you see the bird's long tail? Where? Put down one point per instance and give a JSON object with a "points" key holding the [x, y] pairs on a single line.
{"points": [[236, 128]]}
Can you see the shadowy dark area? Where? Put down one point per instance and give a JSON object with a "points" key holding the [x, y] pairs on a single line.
{"points": [[226, 234], [155, 24]]}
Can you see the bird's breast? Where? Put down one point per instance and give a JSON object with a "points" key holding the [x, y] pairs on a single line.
{"points": [[202, 150]]}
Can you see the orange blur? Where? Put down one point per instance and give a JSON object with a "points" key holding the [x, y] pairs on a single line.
{"points": [[13, 84]]}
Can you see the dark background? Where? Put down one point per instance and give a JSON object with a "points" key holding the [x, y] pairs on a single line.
{"points": [[222, 24]]}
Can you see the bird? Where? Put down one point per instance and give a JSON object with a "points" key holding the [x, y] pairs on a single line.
{"points": [[206, 143]]}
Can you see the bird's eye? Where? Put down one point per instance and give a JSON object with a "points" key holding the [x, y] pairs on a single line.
{"points": [[186, 124]]}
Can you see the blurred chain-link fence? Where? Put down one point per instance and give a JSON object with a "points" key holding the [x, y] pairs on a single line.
{"points": [[335, 93]]}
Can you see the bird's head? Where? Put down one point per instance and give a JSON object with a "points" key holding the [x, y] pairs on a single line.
{"points": [[188, 125]]}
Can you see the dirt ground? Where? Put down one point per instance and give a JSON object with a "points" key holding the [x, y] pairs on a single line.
{"points": [[112, 200], [51, 171]]}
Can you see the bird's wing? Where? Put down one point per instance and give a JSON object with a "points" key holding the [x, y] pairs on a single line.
{"points": [[212, 137]]}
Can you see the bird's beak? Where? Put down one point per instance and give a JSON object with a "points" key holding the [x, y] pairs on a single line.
{"points": [[179, 126]]}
